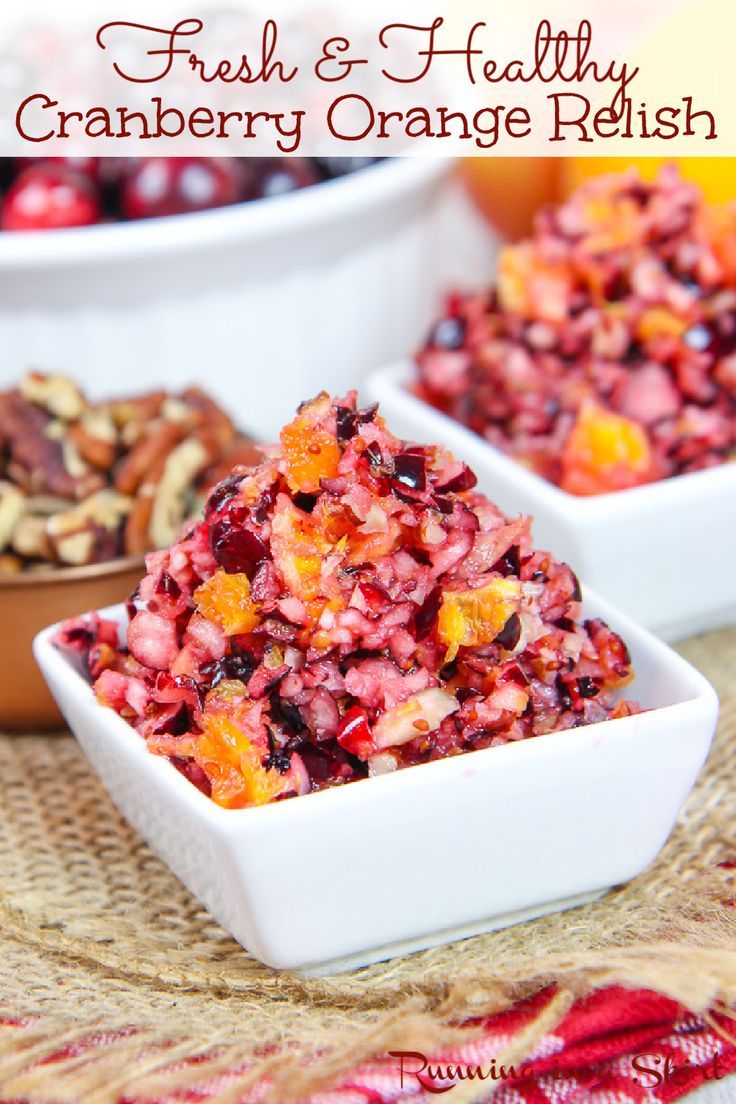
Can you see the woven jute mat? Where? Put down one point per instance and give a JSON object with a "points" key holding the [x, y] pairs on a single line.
{"points": [[98, 936]]}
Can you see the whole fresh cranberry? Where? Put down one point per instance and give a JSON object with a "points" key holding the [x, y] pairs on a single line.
{"points": [[274, 176], [49, 197], [159, 186], [86, 166]]}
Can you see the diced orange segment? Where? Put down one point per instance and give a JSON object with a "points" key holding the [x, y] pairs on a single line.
{"points": [[298, 550], [604, 452], [468, 618], [310, 453], [225, 599], [611, 222], [229, 754], [660, 322], [531, 285]]}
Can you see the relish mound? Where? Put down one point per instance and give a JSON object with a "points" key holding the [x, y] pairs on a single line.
{"points": [[605, 355], [348, 607]]}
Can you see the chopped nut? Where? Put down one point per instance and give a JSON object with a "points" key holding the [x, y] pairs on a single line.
{"points": [[29, 538], [57, 394], [160, 440], [141, 409], [47, 505], [183, 464], [105, 508], [77, 549], [12, 507], [95, 438], [174, 410], [73, 462], [81, 483]]}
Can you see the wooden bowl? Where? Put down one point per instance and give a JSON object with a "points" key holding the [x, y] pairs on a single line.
{"points": [[31, 600]]}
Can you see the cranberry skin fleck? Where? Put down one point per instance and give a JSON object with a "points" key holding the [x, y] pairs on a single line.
{"points": [[159, 186], [410, 471], [510, 634], [465, 480], [237, 550], [354, 734], [426, 615], [50, 197]]}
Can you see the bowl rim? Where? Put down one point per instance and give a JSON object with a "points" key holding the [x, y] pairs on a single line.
{"points": [[52, 575], [696, 695], [395, 379], [304, 210]]}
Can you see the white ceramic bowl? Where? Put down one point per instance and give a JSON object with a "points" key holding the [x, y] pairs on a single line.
{"points": [[664, 553], [265, 303], [432, 853]]}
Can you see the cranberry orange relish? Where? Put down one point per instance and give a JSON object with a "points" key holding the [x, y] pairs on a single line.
{"points": [[348, 607], [605, 355]]}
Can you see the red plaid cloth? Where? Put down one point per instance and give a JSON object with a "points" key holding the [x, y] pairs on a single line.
{"points": [[616, 1046]]}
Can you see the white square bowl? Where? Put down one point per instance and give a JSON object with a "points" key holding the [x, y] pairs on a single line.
{"points": [[429, 854], [664, 553]]}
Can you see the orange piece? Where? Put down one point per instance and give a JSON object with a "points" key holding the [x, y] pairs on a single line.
{"points": [[604, 452], [225, 599], [229, 754], [298, 550], [612, 222], [532, 286], [311, 453], [468, 618], [660, 322]]}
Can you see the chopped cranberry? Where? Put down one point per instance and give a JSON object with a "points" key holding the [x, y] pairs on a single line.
{"points": [[237, 550], [238, 665], [510, 562], [327, 764], [448, 333], [167, 584], [286, 714], [410, 471], [279, 760], [194, 773], [222, 494], [354, 733], [510, 634], [698, 337], [49, 197], [464, 480], [374, 456], [374, 596], [348, 420], [134, 604], [587, 688], [161, 186], [305, 502], [426, 615]]}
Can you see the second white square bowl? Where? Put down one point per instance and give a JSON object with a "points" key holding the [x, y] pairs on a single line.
{"points": [[429, 854], [664, 553]]}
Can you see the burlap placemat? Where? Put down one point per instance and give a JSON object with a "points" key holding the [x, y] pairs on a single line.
{"points": [[97, 935]]}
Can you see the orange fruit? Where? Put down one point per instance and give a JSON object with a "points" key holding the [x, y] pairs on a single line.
{"points": [[604, 452], [510, 190], [468, 618], [311, 454], [225, 599]]}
